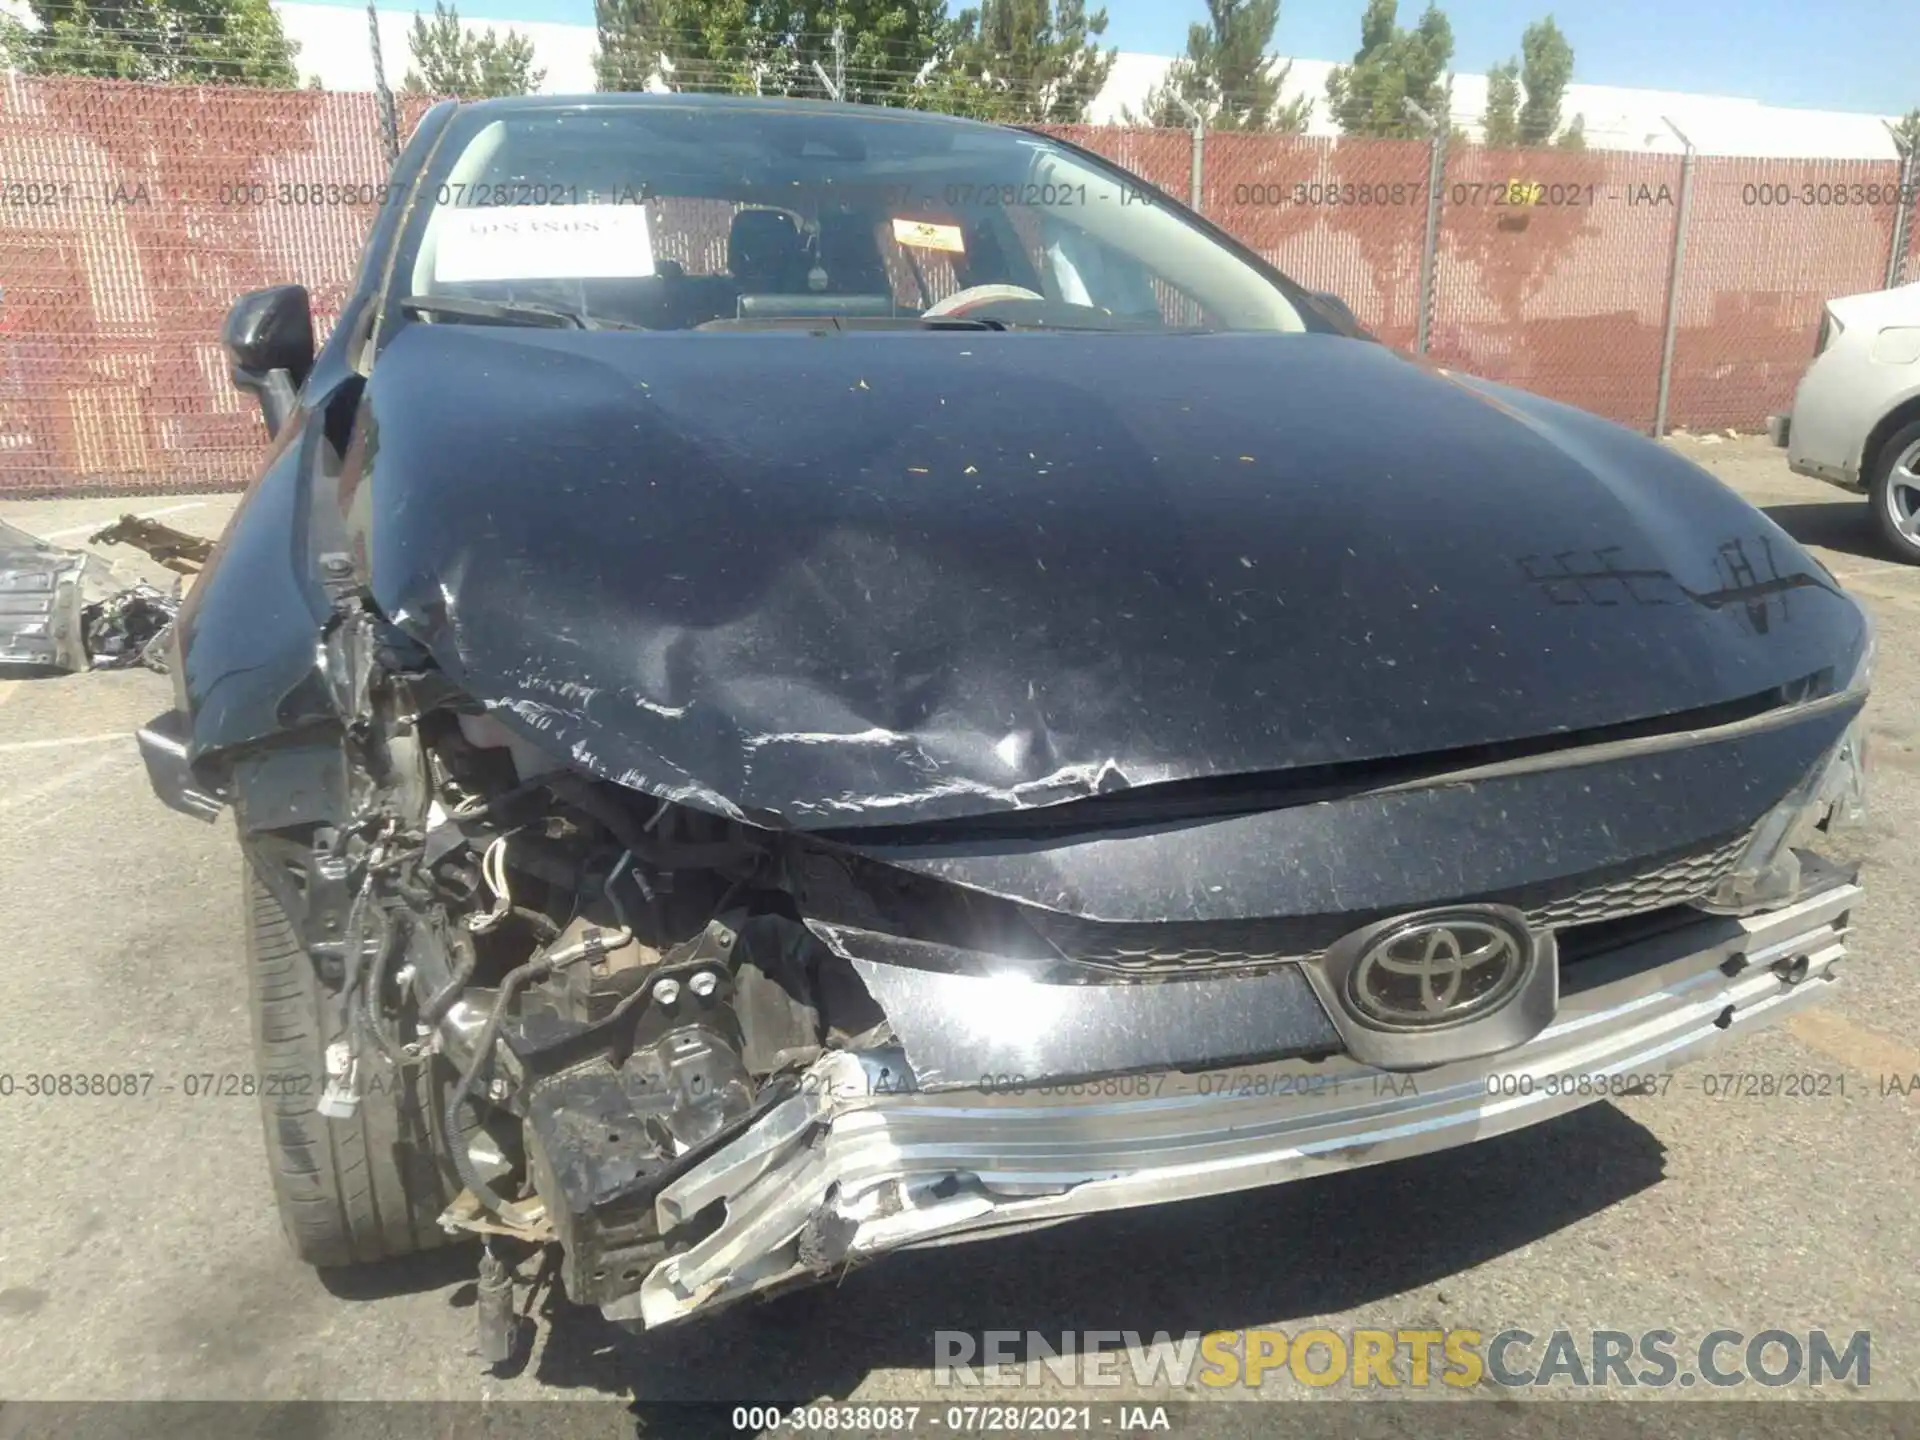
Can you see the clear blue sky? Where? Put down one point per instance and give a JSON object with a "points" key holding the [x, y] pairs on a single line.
{"points": [[1827, 54]]}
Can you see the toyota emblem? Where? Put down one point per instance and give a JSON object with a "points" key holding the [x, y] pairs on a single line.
{"points": [[1439, 970]]}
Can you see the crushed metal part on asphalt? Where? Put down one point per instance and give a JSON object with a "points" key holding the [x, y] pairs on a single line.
{"points": [[40, 602], [130, 628], [60, 611]]}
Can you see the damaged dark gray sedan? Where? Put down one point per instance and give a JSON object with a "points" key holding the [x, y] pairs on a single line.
{"points": [[802, 681]]}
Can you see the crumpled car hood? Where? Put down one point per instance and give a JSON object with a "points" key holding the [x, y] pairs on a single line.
{"points": [[819, 581]]}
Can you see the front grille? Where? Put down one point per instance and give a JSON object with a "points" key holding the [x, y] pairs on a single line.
{"points": [[1674, 883], [1181, 948], [1163, 960], [1184, 946]]}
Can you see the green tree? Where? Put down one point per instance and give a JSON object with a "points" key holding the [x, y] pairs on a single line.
{"points": [[1524, 96], [1906, 133], [1515, 249], [693, 46], [1228, 76], [1500, 125], [1546, 69], [883, 47], [876, 50], [1393, 65], [948, 92], [471, 67], [1035, 61], [185, 42]]}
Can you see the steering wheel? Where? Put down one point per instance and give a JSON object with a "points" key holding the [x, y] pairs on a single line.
{"points": [[974, 296]]}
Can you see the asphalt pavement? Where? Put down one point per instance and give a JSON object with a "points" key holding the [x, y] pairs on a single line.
{"points": [[140, 1255]]}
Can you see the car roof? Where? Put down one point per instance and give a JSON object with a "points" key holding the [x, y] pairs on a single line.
{"points": [[645, 100]]}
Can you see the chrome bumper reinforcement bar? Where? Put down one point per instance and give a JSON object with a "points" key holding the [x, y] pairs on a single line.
{"points": [[857, 1163]]}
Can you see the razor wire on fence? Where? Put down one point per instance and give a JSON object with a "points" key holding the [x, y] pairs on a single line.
{"points": [[132, 214]]}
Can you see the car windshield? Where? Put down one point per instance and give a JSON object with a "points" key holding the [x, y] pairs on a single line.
{"points": [[665, 214]]}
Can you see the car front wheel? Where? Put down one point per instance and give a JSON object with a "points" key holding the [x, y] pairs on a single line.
{"points": [[1895, 493], [363, 1188]]}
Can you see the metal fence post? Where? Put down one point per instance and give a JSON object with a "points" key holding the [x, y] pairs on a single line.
{"points": [[1196, 184], [1903, 217], [1196, 187], [1673, 280], [1430, 245]]}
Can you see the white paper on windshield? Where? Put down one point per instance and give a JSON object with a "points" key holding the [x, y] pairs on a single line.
{"points": [[543, 242]]}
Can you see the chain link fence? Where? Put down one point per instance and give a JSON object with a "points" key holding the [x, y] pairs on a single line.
{"points": [[131, 215]]}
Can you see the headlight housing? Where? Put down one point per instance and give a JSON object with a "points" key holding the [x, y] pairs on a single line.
{"points": [[1833, 796]]}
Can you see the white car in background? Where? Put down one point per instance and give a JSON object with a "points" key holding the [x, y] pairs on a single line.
{"points": [[1856, 419]]}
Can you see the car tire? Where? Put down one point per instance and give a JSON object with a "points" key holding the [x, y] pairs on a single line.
{"points": [[1894, 493], [366, 1188]]}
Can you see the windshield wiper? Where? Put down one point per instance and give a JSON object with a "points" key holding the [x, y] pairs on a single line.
{"points": [[508, 312], [1125, 327], [820, 324]]}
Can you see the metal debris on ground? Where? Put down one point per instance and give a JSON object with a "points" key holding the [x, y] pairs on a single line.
{"points": [[40, 627], [175, 549], [60, 610], [130, 628]]}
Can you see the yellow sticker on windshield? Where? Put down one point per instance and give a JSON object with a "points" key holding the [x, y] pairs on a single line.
{"points": [[925, 235]]}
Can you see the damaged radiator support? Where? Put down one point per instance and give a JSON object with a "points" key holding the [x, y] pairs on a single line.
{"points": [[609, 1108]]}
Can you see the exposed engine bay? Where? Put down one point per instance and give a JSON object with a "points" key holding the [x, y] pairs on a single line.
{"points": [[607, 982]]}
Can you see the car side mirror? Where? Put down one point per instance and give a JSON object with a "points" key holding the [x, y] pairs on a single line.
{"points": [[1336, 307], [268, 338]]}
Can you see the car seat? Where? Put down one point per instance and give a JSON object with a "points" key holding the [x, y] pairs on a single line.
{"points": [[764, 253]]}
